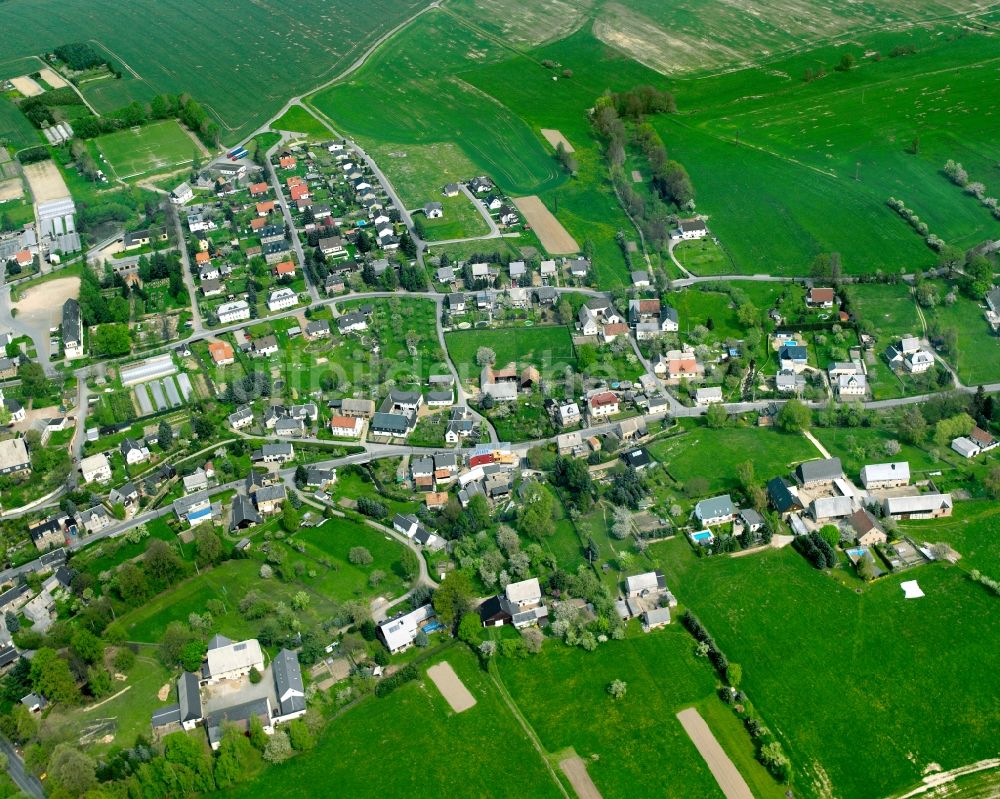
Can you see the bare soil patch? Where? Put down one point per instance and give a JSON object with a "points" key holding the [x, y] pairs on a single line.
{"points": [[730, 780], [555, 138], [553, 236], [576, 772], [164, 692], [636, 176], [451, 687], [46, 181], [45, 301], [53, 78], [11, 189], [27, 86]]}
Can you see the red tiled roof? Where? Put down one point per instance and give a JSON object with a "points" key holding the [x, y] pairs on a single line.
{"points": [[602, 399]]}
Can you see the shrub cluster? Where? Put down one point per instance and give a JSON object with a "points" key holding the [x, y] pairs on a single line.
{"points": [[956, 173], [982, 579], [934, 242], [390, 684], [372, 508], [697, 629], [816, 549]]}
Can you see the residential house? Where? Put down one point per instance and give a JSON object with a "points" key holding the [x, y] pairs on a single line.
{"points": [[638, 458], [820, 298], [194, 508], [318, 328], [363, 408], [793, 357], [450, 190], [346, 426], [274, 453], [264, 347], [717, 510], [547, 269], [72, 330], [788, 381], [134, 451], [353, 321], [52, 531], [399, 632], [182, 194], [393, 425], [706, 396], [603, 404], [519, 605], [867, 532], [196, 481], [781, 497], [569, 414], [852, 385], [433, 210], [282, 298], [965, 447], [236, 311], [269, 499], [689, 229], [885, 475], [95, 468], [640, 279], [241, 418], [95, 519], [456, 303]]}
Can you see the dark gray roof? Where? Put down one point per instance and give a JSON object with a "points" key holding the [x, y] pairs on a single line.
{"points": [[189, 697], [218, 640], [171, 714], [288, 678], [243, 512], [819, 470], [781, 497], [269, 493], [391, 422], [71, 320]]}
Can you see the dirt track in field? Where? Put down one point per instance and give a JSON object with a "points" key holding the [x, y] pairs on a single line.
{"points": [[451, 687], [553, 236], [576, 771], [730, 780]]}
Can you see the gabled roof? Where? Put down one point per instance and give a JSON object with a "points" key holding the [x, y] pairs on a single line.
{"points": [[820, 470], [782, 499], [288, 682]]}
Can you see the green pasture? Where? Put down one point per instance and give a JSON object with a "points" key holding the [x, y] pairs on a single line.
{"points": [[238, 65], [563, 692], [432, 749], [157, 146], [461, 219], [845, 677], [703, 257], [15, 129]]}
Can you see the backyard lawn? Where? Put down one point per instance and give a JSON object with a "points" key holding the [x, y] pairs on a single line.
{"points": [[544, 347]]}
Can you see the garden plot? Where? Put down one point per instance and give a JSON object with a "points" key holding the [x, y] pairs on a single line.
{"points": [[554, 237]]}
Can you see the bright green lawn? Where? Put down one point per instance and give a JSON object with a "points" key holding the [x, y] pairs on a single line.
{"points": [[703, 257], [889, 308], [411, 744], [563, 693], [15, 129], [858, 446], [715, 454], [971, 531], [157, 146], [461, 219], [545, 347], [298, 120], [978, 349], [845, 678]]}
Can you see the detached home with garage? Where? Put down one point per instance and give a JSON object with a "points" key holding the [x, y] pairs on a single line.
{"points": [[717, 510]]}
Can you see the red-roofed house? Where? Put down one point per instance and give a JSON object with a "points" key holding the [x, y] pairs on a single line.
{"points": [[23, 257], [287, 162], [299, 192], [480, 460], [294, 180], [202, 258], [264, 208], [258, 222], [821, 298], [258, 189], [603, 404], [285, 268], [610, 332], [346, 426], [221, 352], [682, 367]]}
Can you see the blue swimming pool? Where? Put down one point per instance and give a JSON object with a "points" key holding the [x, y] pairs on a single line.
{"points": [[704, 537], [433, 627], [857, 552]]}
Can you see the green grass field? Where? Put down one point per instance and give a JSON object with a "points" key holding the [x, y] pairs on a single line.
{"points": [[237, 64], [978, 358], [703, 257], [544, 347], [299, 120], [971, 531], [461, 219], [563, 693], [155, 147], [715, 454], [802, 146], [890, 308], [845, 678], [412, 744], [15, 129]]}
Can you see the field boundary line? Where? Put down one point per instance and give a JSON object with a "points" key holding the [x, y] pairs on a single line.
{"points": [[526, 726], [933, 781]]}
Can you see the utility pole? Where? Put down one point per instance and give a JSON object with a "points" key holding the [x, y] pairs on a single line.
{"points": [[857, 170]]}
